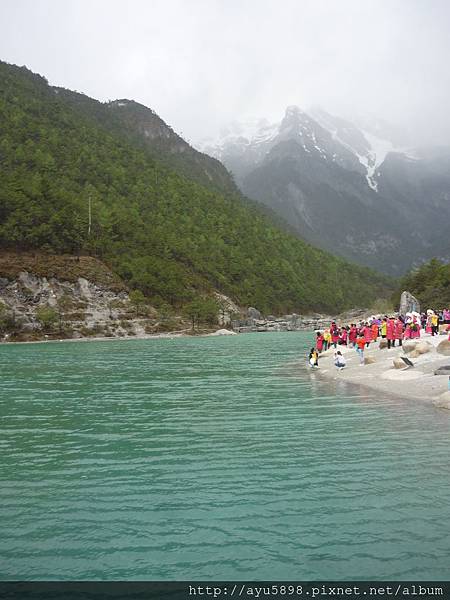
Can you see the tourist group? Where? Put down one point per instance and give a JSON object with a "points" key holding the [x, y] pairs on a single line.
{"points": [[392, 329]]}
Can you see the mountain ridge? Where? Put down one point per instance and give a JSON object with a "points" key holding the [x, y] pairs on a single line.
{"points": [[343, 188], [74, 182]]}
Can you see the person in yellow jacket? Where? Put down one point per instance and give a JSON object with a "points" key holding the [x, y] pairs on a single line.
{"points": [[383, 328], [434, 324], [326, 339]]}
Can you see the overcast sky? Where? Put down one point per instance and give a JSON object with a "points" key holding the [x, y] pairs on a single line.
{"points": [[203, 63]]}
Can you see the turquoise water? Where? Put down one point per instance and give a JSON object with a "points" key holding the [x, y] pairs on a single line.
{"points": [[212, 458]]}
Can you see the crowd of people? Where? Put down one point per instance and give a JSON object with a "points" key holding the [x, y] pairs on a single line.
{"points": [[394, 329]]}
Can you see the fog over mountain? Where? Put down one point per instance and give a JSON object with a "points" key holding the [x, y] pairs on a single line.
{"points": [[359, 191], [204, 63]]}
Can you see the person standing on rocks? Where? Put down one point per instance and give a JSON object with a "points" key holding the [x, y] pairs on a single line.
{"points": [[352, 335], [375, 331], [446, 316], [399, 331], [434, 324], [326, 339], [343, 336], [390, 332], [319, 341], [334, 334], [367, 330], [360, 343], [383, 327]]}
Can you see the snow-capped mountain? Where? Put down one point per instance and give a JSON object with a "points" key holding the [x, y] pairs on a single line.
{"points": [[242, 146], [343, 187]]}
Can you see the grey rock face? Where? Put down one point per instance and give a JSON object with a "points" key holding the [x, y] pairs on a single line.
{"points": [[253, 313], [82, 303], [408, 303]]}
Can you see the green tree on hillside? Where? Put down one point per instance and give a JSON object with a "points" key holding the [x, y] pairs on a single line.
{"points": [[430, 283], [161, 230], [202, 311]]}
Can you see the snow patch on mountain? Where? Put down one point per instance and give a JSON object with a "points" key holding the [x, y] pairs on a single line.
{"points": [[242, 145]]}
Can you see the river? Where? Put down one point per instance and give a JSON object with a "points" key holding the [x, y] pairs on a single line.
{"points": [[213, 458]]}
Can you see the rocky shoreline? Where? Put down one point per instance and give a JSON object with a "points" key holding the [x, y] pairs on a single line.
{"points": [[385, 373]]}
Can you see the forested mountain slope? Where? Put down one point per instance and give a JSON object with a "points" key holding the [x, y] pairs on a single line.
{"points": [[159, 230], [143, 128]]}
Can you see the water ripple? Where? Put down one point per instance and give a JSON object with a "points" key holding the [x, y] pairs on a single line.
{"points": [[214, 459]]}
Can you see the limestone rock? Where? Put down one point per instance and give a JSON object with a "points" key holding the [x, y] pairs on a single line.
{"points": [[369, 360], [414, 354], [443, 401], [444, 370], [444, 347], [383, 344], [408, 303], [423, 347], [224, 332], [398, 363], [409, 346]]}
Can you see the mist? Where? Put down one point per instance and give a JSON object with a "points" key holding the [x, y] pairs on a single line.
{"points": [[204, 63]]}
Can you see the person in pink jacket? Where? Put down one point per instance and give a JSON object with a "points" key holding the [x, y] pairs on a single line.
{"points": [[390, 332], [367, 332], [352, 335], [399, 328]]}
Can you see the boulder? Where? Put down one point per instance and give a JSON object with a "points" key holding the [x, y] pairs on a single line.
{"points": [[383, 344], [253, 313], [423, 347], [414, 354], [443, 401], [224, 332], [409, 346], [369, 360], [444, 347], [398, 363], [408, 303], [444, 370]]}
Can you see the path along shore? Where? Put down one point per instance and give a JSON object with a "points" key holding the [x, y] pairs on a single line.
{"points": [[415, 383]]}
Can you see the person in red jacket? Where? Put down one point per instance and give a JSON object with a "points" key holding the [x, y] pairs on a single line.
{"points": [[334, 334], [390, 332], [367, 331], [399, 328], [319, 341], [352, 335], [374, 327]]}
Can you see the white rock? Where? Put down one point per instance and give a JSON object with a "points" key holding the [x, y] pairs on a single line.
{"points": [[224, 332], [409, 346], [444, 347], [443, 401], [398, 363], [423, 347], [401, 375]]}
